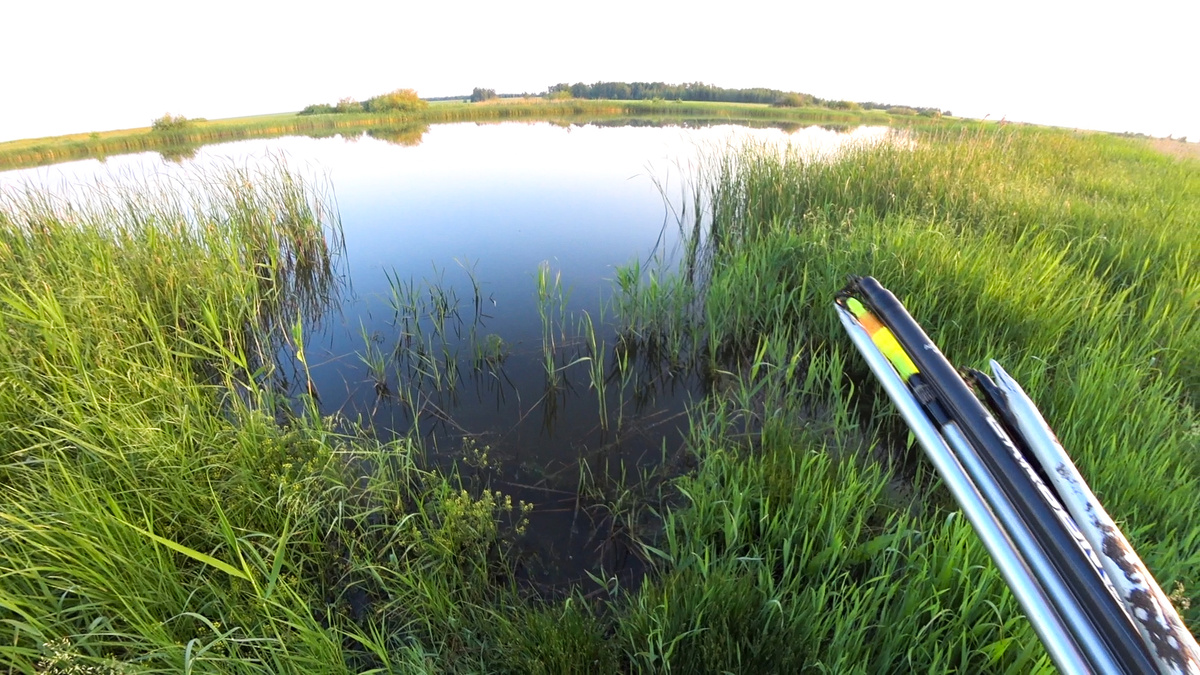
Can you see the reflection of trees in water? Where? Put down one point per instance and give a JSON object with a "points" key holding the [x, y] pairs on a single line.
{"points": [[325, 133], [408, 135], [701, 123], [178, 153]]}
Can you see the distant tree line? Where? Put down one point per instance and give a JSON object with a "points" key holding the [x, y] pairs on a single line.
{"points": [[905, 109], [406, 100], [692, 91], [467, 98], [698, 91], [478, 95], [400, 100]]}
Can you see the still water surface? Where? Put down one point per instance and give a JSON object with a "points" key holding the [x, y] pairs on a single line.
{"points": [[440, 333]]}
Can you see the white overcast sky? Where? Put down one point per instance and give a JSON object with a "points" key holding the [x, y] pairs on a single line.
{"points": [[73, 66]]}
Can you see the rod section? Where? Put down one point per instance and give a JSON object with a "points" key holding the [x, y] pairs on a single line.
{"points": [[1174, 647], [981, 431], [1025, 588]]}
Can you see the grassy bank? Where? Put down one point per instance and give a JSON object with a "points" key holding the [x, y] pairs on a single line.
{"points": [[41, 151], [1072, 258], [163, 508]]}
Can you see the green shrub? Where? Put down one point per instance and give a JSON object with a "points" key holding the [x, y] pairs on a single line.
{"points": [[790, 100], [478, 94], [400, 100], [318, 109], [170, 123], [348, 105]]}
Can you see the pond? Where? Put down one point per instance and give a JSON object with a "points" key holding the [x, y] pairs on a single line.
{"points": [[483, 272]]}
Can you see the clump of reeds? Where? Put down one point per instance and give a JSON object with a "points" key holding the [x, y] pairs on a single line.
{"points": [[490, 353], [158, 513], [551, 304]]}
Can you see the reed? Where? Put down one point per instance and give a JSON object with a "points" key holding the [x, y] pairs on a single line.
{"points": [[657, 314], [596, 353], [551, 304], [375, 361], [429, 340], [490, 353]]}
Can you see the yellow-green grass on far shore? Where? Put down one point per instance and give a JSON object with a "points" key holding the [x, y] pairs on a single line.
{"points": [[50, 150]]}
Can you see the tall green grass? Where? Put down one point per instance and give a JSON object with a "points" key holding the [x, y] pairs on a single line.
{"points": [[1071, 258], [161, 508]]}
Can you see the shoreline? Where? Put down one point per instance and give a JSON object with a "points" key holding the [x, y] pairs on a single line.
{"points": [[28, 153]]}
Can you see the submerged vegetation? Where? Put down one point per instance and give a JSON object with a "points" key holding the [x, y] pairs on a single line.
{"points": [[165, 507]]}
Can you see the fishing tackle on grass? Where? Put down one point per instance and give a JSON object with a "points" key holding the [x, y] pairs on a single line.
{"points": [[1090, 599]]}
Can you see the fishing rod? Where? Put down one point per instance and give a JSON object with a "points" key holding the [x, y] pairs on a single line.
{"points": [[1173, 647], [1024, 586], [1032, 503], [1076, 624], [1045, 537]]}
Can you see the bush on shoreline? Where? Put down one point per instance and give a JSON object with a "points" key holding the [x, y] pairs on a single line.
{"points": [[171, 123], [397, 101]]}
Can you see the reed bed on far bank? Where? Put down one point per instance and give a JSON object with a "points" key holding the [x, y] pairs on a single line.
{"points": [[405, 128]]}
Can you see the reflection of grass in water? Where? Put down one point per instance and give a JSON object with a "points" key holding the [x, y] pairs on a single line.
{"points": [[178, 153]]}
